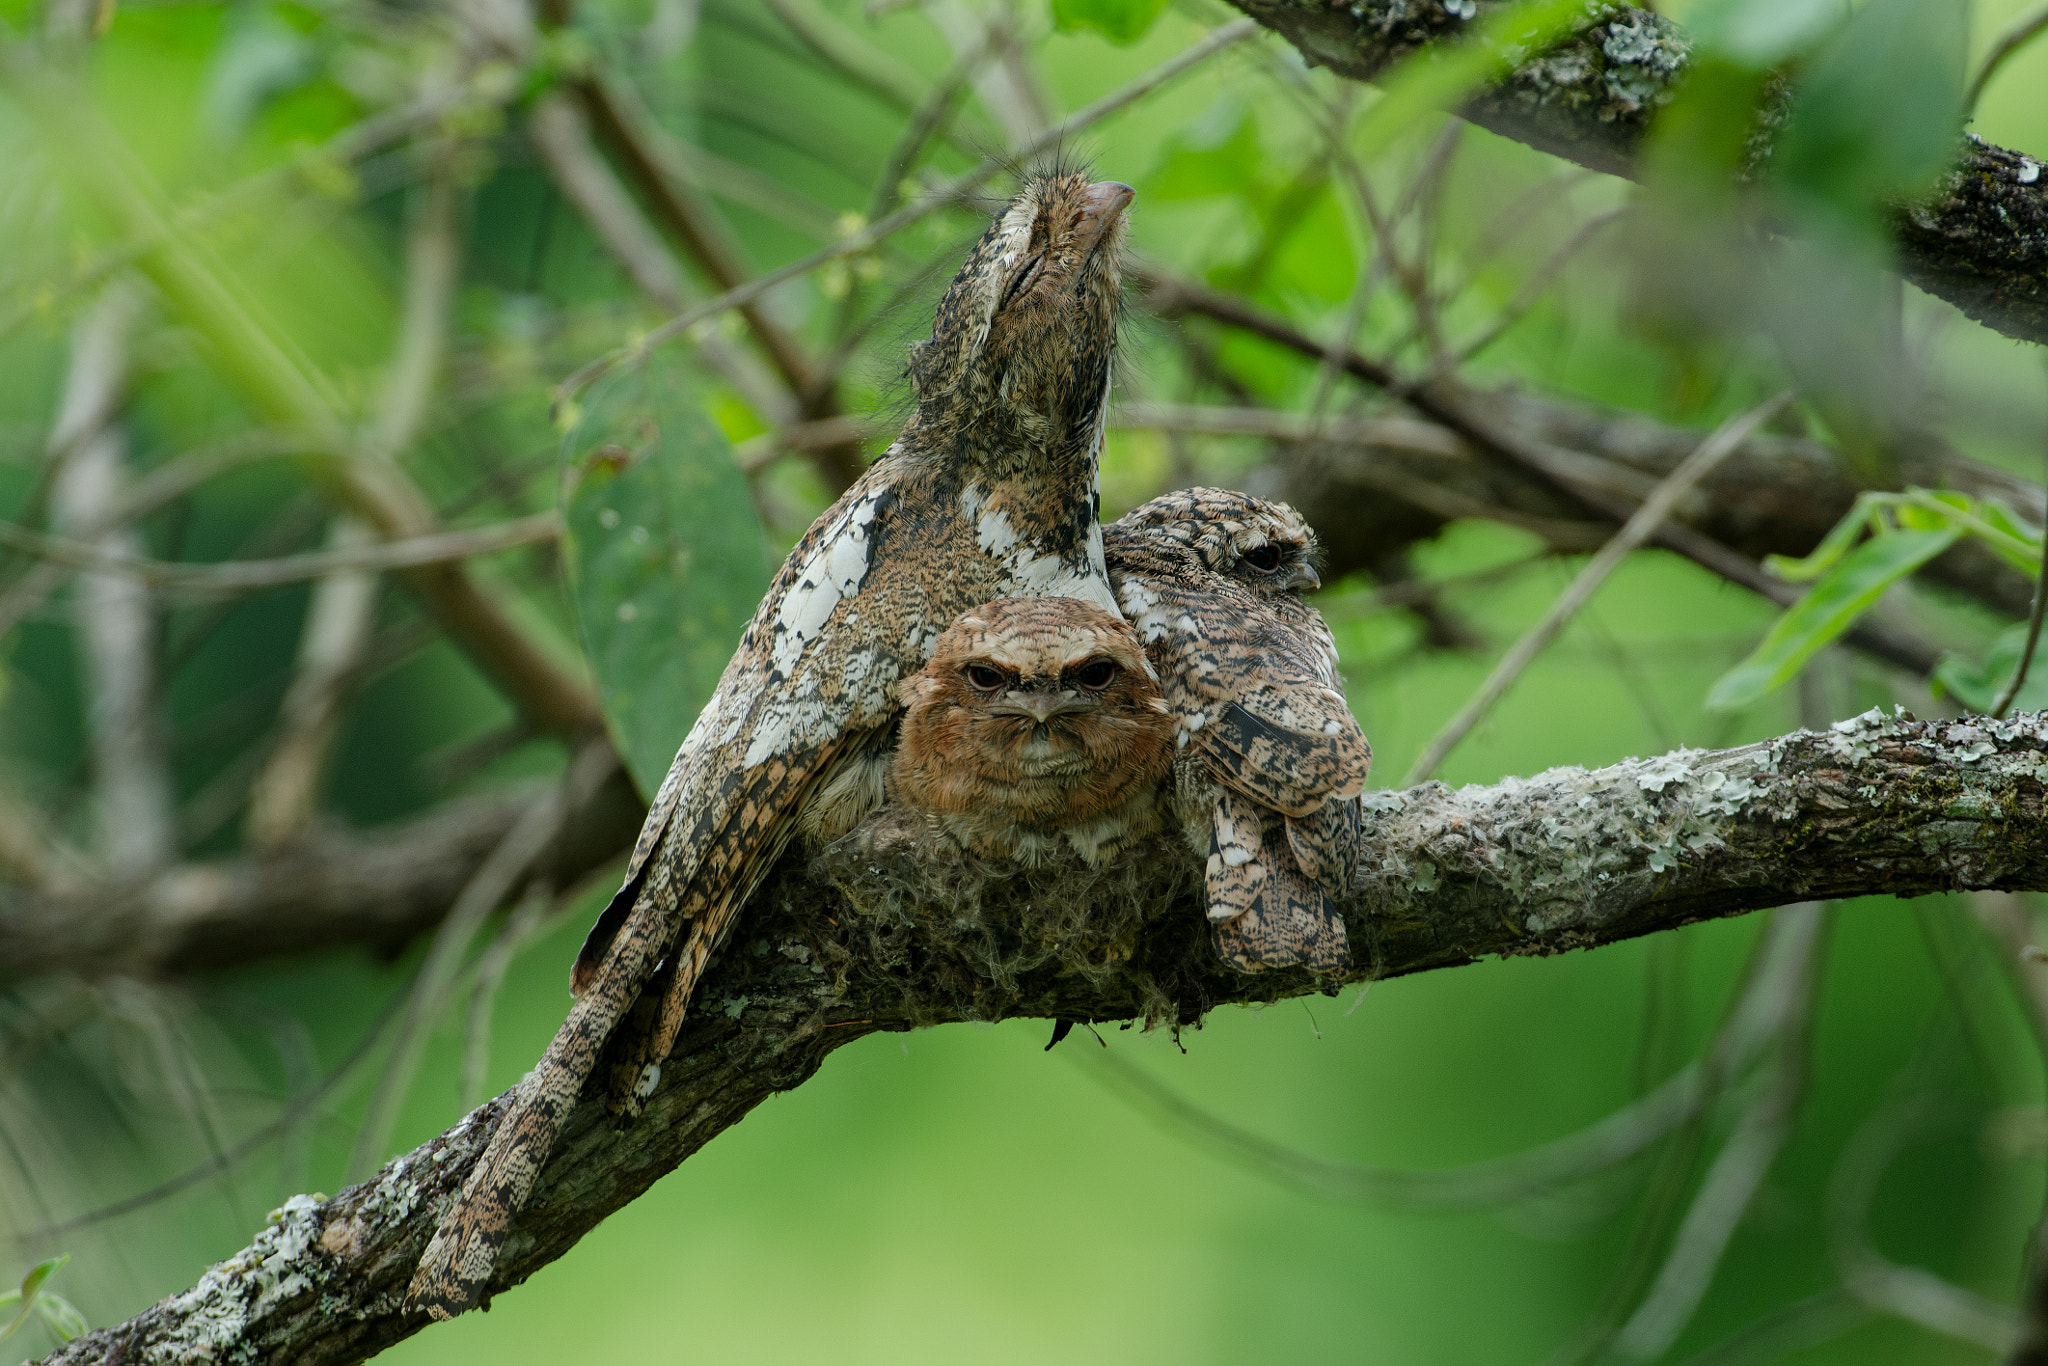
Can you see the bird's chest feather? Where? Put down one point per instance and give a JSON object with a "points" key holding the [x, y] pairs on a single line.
{"points": [[874, 584]]}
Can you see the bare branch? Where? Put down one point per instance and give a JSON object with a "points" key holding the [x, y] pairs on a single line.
{"points": [[241, 576], [650, 157], [1738, 1172], [116, 622], [952, 192], [285, 791], [323, 890], [1641, 525], [1980, 241], [561, 134], [1563, 475], [501, 873], [1908, 1292], [1570, 859], [281, 385], [2015, 36], [1004, 85]]}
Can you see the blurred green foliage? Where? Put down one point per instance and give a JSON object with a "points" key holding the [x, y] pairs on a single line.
{"points": [[959, 1194], [664, 554]]}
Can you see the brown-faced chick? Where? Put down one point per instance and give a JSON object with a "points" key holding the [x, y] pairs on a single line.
{"points": [[989, 492], [1036, 720], [1271, 760]]}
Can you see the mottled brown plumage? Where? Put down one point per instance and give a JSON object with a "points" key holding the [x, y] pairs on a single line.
{"points": [[1036, 721], [989, 492], [1271, 761]]}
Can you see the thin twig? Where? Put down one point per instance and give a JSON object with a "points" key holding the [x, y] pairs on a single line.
{"points": [[1805, 1323], [1771, 997], [525, 843], [1601, 486], [1532, 288], [236, 576], [651, 158], [866, 65], [491, 966], [2015, 36], [561, 133], [314, 164], [952, 192], [1736, 1175], [1907, 1292], [300, 1106], [284, 794], [115, 620], [925, 122], [2026, 660], [1638, 529]]}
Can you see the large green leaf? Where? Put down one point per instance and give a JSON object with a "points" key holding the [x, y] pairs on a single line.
{"points": [[1848, 590], [1880, 110], [666, 556]]}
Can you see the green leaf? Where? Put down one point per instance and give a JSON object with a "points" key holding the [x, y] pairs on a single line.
{"points": [[666, 557], [1829, 552], [1217, 154], [26, 1296], [1978, 686], [1120, 21], [1880, 110], [1762, 33], [62, 1319], [1829, 608]]}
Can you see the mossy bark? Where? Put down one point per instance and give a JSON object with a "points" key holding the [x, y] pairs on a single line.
{"points": [[1980, 241], [860, 940]]}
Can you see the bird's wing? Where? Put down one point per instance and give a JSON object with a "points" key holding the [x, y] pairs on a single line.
{"points": [[779, 691], [805, 684], [1267, 913], [1325, 842], [1291, 748]]}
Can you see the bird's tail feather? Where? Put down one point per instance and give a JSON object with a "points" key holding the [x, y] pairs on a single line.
{"points": [[454, 1272]]}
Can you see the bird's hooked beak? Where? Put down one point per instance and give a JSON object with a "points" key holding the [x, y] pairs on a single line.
{"points": [[1303, 579], [1101, 205], [1039, 706]]}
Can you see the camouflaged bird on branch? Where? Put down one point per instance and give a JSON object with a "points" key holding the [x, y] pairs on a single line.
{"points": [[1271, 761], [989, 492]]}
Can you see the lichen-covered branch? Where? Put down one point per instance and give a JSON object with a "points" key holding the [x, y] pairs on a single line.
{"points": [[859, 940], [1980, 241]]}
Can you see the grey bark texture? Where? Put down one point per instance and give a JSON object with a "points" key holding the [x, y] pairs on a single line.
{"points": [[1980, 241], [857, 941]]}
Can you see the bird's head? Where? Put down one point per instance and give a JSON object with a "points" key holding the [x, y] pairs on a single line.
{"points": [[1024, 337], [1037, 686], [1263, 544]]}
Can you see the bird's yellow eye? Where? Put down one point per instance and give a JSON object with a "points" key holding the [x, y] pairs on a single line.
{"points": [[1096, 674], [1263, 559], [981, 676]]}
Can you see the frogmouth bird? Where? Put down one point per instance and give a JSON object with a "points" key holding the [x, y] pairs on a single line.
{"points": [[1036, 720], [1271, 762], [989, 492]]}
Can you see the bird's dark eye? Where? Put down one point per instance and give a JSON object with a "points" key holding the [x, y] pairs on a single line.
{"points": [[1096, 674], [1262, 559], [983, 677]]}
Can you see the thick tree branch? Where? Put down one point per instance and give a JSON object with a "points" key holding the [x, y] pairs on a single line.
{"points": [[321, 891], [1980, 241], [861, 940]]}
